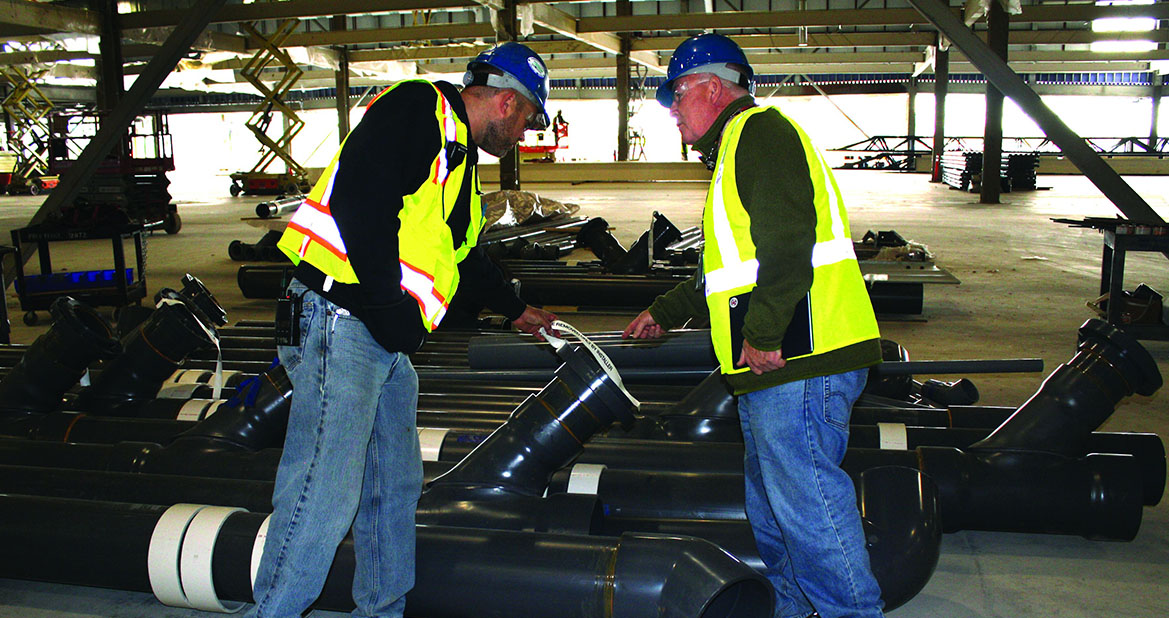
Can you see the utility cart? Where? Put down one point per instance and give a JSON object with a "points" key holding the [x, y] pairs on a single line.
{"points": [[115, 287]]}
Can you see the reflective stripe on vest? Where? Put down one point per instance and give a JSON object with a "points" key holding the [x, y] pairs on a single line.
{"points": [[441, 165], [317, 225], [427, 254], [421, 286], [733, 272], [839, 312]]}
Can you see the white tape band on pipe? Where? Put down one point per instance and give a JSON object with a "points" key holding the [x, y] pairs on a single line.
{"points": [[177, 391], [585, 479], [192, 410], [176, 376], [258, 549], [192, 376], [430, 439], [892, 436], [213, 407], [195, 560], [162, 558]]}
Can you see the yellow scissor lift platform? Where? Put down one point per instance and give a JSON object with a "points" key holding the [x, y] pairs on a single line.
{"points": [[258, 180]]}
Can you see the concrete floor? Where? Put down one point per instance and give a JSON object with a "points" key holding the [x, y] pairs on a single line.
{"points": [[1025, 281]]}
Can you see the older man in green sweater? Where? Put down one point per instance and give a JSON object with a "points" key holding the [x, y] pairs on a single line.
{"points": [[791, 324]]}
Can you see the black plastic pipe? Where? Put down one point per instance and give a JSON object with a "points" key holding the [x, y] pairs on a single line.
{"points": [[498, 484], [501, 573], [57, 359], [1079, 395], [256, 418], [151, 354], [689, 348], [1098, 496]]}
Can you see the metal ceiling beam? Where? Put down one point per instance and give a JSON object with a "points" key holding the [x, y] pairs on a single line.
{"points": [[206, 41], [851, 17], [48, 17], [306, 9], [562, 23], [292, 9], [1003, 78], [780, 41], [432, 32], [463, 50], [43, 57], [837, 58]]}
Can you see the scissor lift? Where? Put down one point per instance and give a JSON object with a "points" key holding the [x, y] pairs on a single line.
{"points": [[27, 107], [258, 180], [130, 185]]}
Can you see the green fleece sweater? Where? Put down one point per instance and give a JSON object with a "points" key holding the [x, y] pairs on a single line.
{"points": [[775, 186]]}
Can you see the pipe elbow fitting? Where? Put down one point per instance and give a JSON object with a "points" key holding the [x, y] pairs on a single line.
{"points": [[685, 577], [901, 514]]}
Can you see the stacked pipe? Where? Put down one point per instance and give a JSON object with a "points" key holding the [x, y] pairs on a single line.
{"points": [[732, 531], [148, 458], [656, 576], [545, 239], [963, 170]]}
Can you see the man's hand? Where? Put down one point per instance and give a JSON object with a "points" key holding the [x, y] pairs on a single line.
{"points": [[642, 327], [533, 319], [760, 362]]}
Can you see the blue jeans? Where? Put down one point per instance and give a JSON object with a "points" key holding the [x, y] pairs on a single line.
{"points": [[801, 505], [351, 457]]}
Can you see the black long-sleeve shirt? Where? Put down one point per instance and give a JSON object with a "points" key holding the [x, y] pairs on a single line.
{"points": [[387, 156]]}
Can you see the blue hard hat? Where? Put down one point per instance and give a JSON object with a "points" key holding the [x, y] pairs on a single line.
{"points": [[706, 53], [523, 71]]}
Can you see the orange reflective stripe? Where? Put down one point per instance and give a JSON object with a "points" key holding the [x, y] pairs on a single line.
{"points": [[420, 285], [315, 238]]}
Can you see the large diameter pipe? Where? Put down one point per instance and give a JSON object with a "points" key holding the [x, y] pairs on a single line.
{"points": [[499, 573], [499, 483], [546, 431], [152, 353], [57, 359], [1079, 395], [1098, 496], [689, 348]]}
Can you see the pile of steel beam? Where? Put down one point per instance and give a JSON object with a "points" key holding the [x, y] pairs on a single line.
{"points": [[963, 170]]}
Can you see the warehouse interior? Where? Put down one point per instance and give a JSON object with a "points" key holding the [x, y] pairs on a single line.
{"points": [[997, 268]]}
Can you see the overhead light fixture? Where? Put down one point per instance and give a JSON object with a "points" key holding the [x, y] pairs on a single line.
{"points": [[1116, 47]]}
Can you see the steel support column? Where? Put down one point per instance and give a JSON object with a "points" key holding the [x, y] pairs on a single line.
{"points": [[911, 122], [624, 7], [340, 22], [1158, 83], [998, 24], [505, 30], [1106, 179], [109, 63], [941, 85]]}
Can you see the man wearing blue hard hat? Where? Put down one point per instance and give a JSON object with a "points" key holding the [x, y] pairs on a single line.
{"points": [[381, 244], [791, 323]]}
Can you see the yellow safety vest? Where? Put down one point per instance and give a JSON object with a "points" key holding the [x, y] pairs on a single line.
{"points": [[426, 249], [838, 312]]}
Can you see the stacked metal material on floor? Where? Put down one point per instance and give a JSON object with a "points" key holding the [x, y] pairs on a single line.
{"points": [[963, 170], [630, 279], [508, 487]]}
